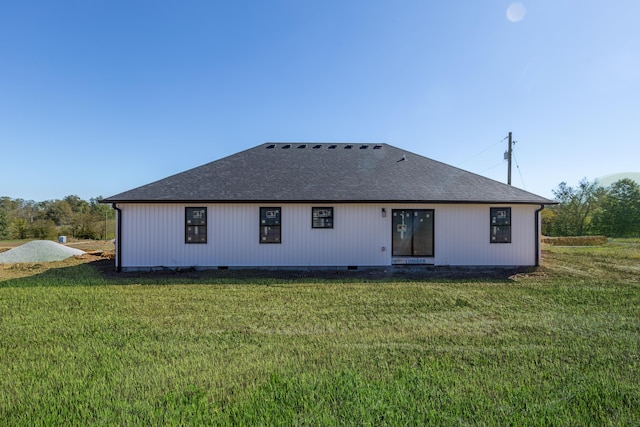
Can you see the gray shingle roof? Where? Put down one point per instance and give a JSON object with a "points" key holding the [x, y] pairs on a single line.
{"points": [[327, 172]]}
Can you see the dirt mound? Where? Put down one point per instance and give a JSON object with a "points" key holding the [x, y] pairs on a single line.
{"points": [[39, 251]]}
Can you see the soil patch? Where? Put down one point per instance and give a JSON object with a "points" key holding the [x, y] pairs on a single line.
{"points": [[107, 268]]}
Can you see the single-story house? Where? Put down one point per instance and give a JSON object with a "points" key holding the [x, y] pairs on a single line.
{"points": [[326, 205]]}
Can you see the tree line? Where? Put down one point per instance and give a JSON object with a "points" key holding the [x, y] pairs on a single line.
{"points": [[590, 209], [70, 216]]}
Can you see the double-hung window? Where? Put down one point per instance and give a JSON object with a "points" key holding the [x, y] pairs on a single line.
{"points": [[195, 222], [270, 223], [500, 225], [321, 217]]}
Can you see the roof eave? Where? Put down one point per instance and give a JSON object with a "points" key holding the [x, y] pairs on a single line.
{"points": [[337, 201]]}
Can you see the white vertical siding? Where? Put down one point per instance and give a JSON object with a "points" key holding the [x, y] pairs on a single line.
{"points": [[463, 236], [153, 236]]}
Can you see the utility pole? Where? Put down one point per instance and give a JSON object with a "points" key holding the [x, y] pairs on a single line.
{"points": [[508, 155]]}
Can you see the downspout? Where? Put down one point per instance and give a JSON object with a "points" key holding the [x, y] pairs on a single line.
{"points": [[118, 238], [537, 227]]}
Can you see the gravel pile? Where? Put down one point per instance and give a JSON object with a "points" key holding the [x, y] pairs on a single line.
{"points": [[38, 251]]}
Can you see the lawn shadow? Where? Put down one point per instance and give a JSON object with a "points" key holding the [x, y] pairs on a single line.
{"points": [[100, 271], [73, 271]]}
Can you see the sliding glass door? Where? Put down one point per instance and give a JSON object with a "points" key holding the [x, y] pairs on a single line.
{"points": [[412, 232]]}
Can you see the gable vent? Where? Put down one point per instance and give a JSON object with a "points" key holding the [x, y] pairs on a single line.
{"points": [[286, 146], [271, 146]]}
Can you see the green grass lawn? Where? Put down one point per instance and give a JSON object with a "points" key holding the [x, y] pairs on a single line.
{"points": [[560, 346]]}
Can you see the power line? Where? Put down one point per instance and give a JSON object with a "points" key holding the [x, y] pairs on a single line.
{"points": [[494, 166], [483, 151], [508, 155], [519, 172]]}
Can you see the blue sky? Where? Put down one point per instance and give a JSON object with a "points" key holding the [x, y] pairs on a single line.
{"points": [[101, 96]]}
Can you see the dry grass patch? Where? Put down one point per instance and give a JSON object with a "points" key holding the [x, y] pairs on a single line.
{"points": [[575, 240]]}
